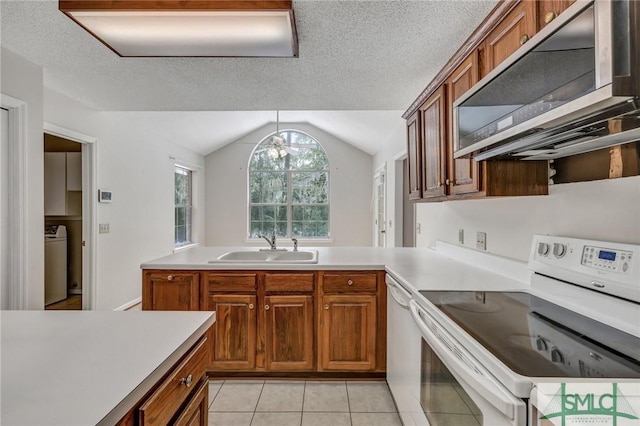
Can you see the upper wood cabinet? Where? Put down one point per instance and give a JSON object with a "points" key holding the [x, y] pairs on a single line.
{"points": [[171, 291], [434, 149], [463, 173], [414, 151], [548, 10], [512, 32]]}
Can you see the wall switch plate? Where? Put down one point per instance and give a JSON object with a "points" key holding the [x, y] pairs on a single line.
{"points": [[481, 240], [104, 228], [460, 236]]}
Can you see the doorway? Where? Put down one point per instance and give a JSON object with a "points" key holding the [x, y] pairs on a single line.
{"points": [[4, 209], [408, 210], [69, 208]]}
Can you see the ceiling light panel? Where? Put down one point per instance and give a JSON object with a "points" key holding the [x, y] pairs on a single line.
{"points": [[188, 33]]}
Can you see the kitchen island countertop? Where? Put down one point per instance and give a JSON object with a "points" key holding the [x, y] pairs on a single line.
{"points": [[89, 367]]}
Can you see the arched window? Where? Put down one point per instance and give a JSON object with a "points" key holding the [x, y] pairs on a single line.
{"points": [[289, 187]]}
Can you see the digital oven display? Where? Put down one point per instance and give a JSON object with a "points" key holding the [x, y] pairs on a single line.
{"points": [[607, 255]]}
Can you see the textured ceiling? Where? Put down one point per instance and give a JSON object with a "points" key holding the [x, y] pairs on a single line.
{"points": [[354, 55]]}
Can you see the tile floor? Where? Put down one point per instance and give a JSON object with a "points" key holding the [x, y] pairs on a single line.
{"points": [[303, 403]]}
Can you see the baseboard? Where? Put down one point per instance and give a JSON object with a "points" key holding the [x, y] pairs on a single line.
{"points": [[128, 305]]}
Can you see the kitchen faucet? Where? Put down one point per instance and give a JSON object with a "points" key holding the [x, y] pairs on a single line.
{"points": [[272, 241]]}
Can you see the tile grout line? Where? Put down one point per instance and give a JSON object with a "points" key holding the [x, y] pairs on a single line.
{"points": [[257, 402], [348, 403], [304, 390]]}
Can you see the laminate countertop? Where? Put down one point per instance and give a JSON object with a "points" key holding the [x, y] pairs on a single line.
{"points": [[90, 367], [447, 266]]}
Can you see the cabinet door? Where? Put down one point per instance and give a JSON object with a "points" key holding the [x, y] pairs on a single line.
{"points": [[289, 333], [414, 155], [348, 332], [463, 173], [234, 346], [55, 187], [171, 291], [513, 31], [548, 10], [432, 114]]}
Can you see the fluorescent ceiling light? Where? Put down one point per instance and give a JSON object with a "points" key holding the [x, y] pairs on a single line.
{"points": [[183, 28]]}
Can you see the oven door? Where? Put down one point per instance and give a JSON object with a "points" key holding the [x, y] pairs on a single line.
{"points": [[455, 387]]}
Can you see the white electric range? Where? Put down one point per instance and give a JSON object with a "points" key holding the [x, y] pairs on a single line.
{"points": [[482, 353]]}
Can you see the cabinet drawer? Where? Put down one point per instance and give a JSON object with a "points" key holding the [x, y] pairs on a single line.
{"points": [[289, 282], [349, 282], [195, 413], [233, 282], [174, 390]]}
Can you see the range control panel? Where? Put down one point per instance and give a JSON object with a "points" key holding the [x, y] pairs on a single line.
{"points": [[607, 267], [607, 259]]}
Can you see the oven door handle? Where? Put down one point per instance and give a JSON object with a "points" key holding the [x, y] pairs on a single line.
{"points": [[398, 292], [461, 361]]}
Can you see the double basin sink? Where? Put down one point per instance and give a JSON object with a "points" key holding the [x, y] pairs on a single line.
{"points": [[268, 256]]}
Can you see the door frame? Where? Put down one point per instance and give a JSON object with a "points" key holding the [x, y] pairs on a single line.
{"points": [[89, 209], [381, 172], [17, 195]]}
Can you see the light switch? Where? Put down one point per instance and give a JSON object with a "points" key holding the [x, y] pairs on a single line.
{"points": [[104, 228]]}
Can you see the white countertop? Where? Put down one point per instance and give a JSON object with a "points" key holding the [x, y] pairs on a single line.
{"points": [[415, 268], [87, 368]]}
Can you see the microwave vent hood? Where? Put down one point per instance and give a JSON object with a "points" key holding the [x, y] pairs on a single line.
{"points": [[573, 88]]}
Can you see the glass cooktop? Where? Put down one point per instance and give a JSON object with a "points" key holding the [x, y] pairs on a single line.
{"points": [[536, 338]]}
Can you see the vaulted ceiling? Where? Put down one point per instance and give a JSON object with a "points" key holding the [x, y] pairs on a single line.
{"points": [[369, 59]]}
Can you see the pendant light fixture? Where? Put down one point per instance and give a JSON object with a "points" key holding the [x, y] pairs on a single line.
{"points": [[187, 28], [278, 148]]}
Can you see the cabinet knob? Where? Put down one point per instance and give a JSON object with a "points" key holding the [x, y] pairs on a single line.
{"points": [[187, 381], [170, 277], [549, 16], [350, 282], [250, 305], [447, 182], [326, 307], [266, 307], [523, 39]]}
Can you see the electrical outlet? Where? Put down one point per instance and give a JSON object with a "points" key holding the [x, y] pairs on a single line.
{"points": [[461, 236], [481, 240], [104, 228]]}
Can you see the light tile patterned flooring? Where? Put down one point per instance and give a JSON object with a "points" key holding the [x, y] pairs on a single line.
{"points": [[303, 403]]}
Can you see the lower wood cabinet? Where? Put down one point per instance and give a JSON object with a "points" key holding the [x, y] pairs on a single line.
{"points": [[348, 332], [289, 333], [234, 341], [181, 397], [318, 322]]}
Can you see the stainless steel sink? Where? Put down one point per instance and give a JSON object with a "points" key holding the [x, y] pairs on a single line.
{"points": [[268, 256]]}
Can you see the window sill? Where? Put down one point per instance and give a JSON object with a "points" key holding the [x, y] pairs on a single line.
{"points": [[286, 242], [185, 247]]}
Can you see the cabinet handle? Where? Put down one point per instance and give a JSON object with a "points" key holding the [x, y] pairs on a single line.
{"points": [[326, 307], [250, 305], [447, 182], [523, 39], [266, 307], [549, 16], [187, 381], [170, 278], [350, 282]]}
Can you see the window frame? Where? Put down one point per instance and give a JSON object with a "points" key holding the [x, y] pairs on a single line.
{"points": [[189, 208], [289, 193]]}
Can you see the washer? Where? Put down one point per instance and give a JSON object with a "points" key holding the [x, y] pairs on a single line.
{"points": [[55, 264]]}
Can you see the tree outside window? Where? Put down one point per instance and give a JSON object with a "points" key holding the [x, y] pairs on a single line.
{"points": [[289, 187], [183, 206]]}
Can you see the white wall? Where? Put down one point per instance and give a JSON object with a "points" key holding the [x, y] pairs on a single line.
{"points": [[351, 185], [136, 164], [606, 210], [22, 80], [391, 153]]}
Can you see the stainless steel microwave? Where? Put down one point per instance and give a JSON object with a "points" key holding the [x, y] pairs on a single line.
{"points": [[574, 87]]}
